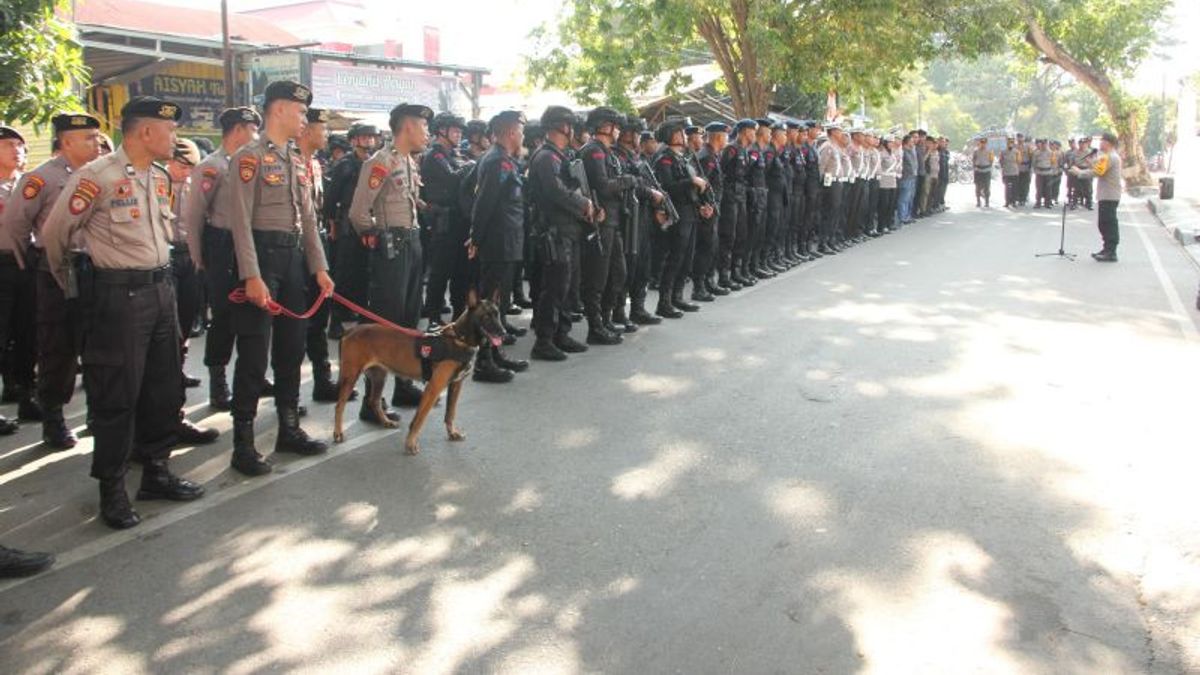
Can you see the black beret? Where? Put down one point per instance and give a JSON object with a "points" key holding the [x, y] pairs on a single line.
{"points": [[764, 121], [151, 107], [717, 127], [231, 117], [9, 132], [810, 124], [287, 90], [746, 123], [315, 115], [792, 125], [507, 117], [778, 126], [362, 130], [409, 110], [692, 129], [68, 121]]}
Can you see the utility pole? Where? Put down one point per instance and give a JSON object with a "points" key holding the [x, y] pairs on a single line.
{"points": [[227, 53]]}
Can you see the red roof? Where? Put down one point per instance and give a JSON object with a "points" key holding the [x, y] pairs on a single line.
{"points": [[154, 18]]}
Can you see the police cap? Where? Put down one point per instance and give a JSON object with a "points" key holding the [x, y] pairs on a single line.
{"points": [[764, 122], [231, 117], [151, 107], [692, 129], [9, 132], [317, 115], [792, 124], [409, 110], [69, 121], [286, 90]]}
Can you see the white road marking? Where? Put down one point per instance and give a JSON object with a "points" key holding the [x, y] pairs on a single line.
{"points": [[1182, 315]]}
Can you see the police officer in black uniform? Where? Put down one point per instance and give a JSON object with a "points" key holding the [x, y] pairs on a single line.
{"points": [[560, 211], [731, 228], [497, 236], [442, 167], [602, 256], [476, 141], [352, 258], [709, 158], [678, 177], [120, 207], [779, 183]]}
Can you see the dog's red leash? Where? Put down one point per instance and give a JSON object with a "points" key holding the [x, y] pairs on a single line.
{"points": [[238, 295]]}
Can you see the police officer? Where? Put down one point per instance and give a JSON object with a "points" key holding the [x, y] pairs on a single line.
{"points": [[652, 216], [756, 202], [1105, 168], [477, 141], [120, 206], [1010, 169], [16, 297], [560, 210], [313, 140], [794, 250], [1045, 165], [810, 240], [384, 216], [442, 167], [683, 187], [638, 209], [275, 239], [982, 158], [779, 183], [1083, 162], [351, 257], [77, 136], [704, 287], [602, 257], [830, 161], [187, 282], [497, 236], [1024, 169], [733, 226], [206, 218]]}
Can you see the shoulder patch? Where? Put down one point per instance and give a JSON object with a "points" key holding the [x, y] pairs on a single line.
{"points": [[85, 193], [506, 165], [33, 186], [598, 154], [379, 173], [665, 160], [247, 167]]}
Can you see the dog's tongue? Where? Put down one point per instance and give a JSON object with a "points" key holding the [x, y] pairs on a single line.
{"points": [[496, 341]]}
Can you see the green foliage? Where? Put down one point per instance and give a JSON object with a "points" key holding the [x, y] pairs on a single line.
{"points": [[40, 60]]}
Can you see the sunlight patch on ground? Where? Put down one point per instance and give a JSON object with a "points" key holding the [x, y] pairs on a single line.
{"points": [[655, 478], [658, 386]]}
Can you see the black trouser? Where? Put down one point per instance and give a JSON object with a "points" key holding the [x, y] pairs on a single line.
{"points": [[220, 275], [1044, 190], [551, 314], [831, 206], [1083, 192], [757, 223], [853, 198], [1023, 179], [599, 269], [919, 194], [797, 214], [1110, 231], [448, 266], [496, 279], [1056, 186], [983, 186], [395, 290], [637, 267], [872, 205], [187, 293], [614, 286], [352, 273], [1010, 190], [776, 213], [57, 344], [131, 371], [943, 182], [705, 249], [812, 211], [283, 271], [18, 330], [732, 219], [316, 340], [681, 245], [885, 214]]}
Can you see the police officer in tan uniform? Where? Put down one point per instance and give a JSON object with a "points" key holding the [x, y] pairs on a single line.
{"points": [[16, 296], [275, 239], [982, 159], [120, 208], [210, 243], [77, 136], [384, 216]]}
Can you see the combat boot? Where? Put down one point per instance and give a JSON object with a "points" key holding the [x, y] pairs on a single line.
{"points": [[291, 438], [599, 335], [325, 390], [115, 509], [639, 315], [486, 369], [569, 344], [159, 483], [545, 350], [666, 309], [55, 432], [515, 365], [700, 292], [715, 289], [246, 459], [622, 321], [406, 394], [219, 397]]}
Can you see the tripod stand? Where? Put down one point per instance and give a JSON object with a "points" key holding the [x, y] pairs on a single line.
{"points": [[1062, 240]]}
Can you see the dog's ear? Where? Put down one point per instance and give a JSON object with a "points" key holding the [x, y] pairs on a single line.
{"points": [[496, 297], [472, 298]]}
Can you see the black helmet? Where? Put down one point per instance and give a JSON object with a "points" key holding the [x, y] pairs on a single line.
{"points": [[444, 121], [603, 115], [534, 134], [475, 128], [668, 128], [557, 115], [633, 123]]}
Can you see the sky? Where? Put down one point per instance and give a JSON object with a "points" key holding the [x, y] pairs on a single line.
{"points": [[492, 33]]}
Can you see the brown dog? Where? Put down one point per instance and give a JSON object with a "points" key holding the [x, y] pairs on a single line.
{"points": [[444, 359]]}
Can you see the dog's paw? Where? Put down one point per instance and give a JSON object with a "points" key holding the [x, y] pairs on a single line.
{"points": [[456, 435], [339, 437], [389, 424], [413, 449]]}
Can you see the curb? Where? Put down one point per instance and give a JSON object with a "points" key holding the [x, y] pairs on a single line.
{"points": [[1177, 230]]}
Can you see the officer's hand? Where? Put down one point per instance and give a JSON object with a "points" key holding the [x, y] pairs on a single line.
{"points": [[706, 211], [700, 183], [472, 249], [324, 283], [600, 215], [661, 217], [257, 293], [589, 210], [656, 196], [422, 205]]}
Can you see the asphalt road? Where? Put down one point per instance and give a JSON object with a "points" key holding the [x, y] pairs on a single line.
{"points": [[932, 453]]}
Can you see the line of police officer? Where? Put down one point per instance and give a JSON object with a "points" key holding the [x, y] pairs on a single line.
{"points": [[1042, 165]]}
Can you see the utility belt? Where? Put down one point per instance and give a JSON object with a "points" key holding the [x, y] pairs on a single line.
{"points": [[276, 239], [392, 241], [132, 278], [983, 168]]}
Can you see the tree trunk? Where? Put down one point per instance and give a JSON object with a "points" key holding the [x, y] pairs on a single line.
{"points": [[736, 56], [1123, 116]]}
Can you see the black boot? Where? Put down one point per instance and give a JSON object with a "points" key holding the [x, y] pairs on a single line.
{"points": [[665, 308], [546, 350], [639, 315], [486, 369], [218, 389], [599, 335], [246, 459], [8, 427], [159, 483], [14, 563], [700, 291], [187, 433], [609, 325], [622, 320], [115, 509], [406, 394], [55, 433], [325, 390], [291, 438], [715, 289], [726, 280], [190, 382], [367, 413], [569, 344], [515, 365], [678, 302]]}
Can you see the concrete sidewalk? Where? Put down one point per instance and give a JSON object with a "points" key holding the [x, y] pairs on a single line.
{"points": [[1181, 217]]}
